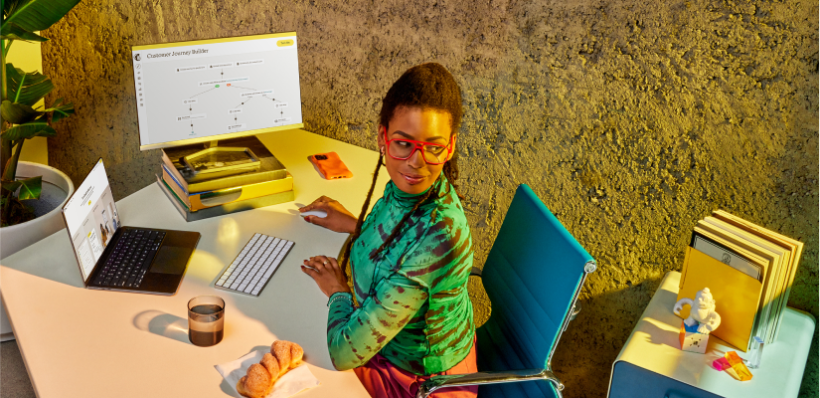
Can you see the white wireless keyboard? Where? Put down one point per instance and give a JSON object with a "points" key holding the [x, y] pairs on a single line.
{"points": [[254, 265]]}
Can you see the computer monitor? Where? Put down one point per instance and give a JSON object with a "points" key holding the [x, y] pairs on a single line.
{"points": [[209, 90]]}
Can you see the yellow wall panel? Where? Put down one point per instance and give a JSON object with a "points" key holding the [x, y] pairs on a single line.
{"points": [[29, 57]]}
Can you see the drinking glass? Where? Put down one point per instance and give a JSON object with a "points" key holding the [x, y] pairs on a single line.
{"points": [[206, 319]]}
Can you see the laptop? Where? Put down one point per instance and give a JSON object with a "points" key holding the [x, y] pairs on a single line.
{"points": [[116, 257]]}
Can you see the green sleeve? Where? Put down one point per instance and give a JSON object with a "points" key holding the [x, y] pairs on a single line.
{"points": [[354, 335]]}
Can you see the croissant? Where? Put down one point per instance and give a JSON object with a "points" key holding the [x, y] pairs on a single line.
{"points": [[258, 383]]}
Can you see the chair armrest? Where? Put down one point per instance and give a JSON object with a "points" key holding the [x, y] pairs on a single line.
{"points": [[471, 379], [475, 271]]}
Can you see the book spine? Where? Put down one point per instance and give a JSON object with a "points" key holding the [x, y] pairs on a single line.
{"points": [[175, 186], [175, 201], [169, 165]]}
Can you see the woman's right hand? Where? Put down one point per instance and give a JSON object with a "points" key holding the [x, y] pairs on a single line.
{"points": [[338, 219]]}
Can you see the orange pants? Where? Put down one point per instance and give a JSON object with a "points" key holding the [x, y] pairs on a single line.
{"points": [[382, 379]]}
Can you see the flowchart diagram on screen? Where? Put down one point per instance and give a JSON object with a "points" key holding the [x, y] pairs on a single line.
{"points": [[237, 95]]}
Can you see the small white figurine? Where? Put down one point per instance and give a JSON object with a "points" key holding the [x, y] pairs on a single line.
{"points": [[702, 312]]}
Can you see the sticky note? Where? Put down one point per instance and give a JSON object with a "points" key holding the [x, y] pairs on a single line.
{"points": [[738, 366]]}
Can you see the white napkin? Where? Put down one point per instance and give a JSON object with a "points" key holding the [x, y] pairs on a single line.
{"points": [[291, 383]]}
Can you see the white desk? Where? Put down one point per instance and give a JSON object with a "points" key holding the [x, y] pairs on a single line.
{"points": [[651, 364], [84, 343]]}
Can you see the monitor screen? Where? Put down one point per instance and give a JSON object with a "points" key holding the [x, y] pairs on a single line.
{"points": [[216, 89], [91, 218]]}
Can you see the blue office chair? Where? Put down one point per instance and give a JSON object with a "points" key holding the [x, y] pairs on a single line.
{"points": [[533, 276]]}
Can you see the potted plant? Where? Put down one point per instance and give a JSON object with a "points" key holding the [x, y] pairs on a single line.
{"points": [[23, 119]]}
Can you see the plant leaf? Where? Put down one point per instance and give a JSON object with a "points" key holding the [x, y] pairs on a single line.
{"points": [[9, 6], [11, 185], [34, 15], [30, 188], [27, 88], [37, 128], [17, 33], [18, 113], [60, 110]]}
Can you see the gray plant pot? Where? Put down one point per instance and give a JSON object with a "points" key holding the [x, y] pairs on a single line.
{"points": [[57, 188]]}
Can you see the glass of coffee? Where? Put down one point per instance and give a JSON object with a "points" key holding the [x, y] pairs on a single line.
{"points": [[206, 319]]}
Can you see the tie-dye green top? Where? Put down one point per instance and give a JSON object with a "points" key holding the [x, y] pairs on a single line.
{"points": [[414, 309]]}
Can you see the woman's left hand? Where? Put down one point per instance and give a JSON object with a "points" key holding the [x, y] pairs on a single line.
{"points": [[327, 274]]}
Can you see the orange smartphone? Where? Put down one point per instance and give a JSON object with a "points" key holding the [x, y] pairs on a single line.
{"points": [[330, 166]]}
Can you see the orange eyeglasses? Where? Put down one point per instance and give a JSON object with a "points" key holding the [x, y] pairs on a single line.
{"points": [[403, 149]]}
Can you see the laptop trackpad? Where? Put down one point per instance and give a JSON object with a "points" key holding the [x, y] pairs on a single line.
{"points": [[176, 250], [170, 260]]}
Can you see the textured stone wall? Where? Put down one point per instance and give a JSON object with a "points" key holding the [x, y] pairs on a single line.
{"points": [[630, 119]]}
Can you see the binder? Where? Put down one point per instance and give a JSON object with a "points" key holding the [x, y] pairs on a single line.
{"points": [[736, 295]]}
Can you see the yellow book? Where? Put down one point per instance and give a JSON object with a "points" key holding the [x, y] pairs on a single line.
{"points": [[761, 263], [795, 247], [736, 295], [780, 260]]}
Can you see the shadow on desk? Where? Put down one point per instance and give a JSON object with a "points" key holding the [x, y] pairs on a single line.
{"points": [[43, 264], [163, 324]]}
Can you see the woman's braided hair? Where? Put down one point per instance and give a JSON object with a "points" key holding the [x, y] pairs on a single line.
{"points": [[426, 86]]}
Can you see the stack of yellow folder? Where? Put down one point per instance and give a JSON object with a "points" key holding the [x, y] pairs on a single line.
{"points": [[748, 269]]}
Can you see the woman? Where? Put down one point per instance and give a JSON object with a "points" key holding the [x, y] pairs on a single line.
{"points": [[409, 316]]}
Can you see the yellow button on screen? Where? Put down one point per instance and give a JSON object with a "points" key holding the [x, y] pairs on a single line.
{"points": [[284, 43]]}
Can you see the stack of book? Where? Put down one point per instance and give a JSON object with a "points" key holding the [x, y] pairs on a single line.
{"points": [[197, 196], [749, 271]]}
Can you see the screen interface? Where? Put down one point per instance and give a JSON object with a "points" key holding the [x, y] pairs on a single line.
{"points": [[91, 218], [200, 89]]}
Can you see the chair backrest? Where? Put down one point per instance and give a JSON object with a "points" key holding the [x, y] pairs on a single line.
{"points": [[532, 276]]}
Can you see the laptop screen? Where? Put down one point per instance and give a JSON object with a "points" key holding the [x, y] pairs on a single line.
{"points": [[91, 218]]}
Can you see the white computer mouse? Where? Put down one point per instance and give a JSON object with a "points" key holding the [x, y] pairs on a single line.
{"points": [[317, 213]]}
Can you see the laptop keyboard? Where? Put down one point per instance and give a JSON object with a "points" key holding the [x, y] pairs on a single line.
{"points": [[254, 265], [130, 258]]}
